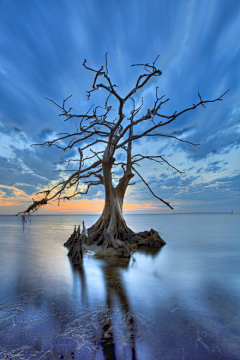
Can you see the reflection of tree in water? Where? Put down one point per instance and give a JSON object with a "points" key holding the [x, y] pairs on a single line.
{"points": [[80, 273], [117, 325], [115, 288]]}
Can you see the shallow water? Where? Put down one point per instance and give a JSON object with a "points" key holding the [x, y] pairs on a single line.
{"points": [[179, 303]]}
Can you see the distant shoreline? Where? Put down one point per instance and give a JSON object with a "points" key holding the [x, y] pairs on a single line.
{"points": [[137, 214]]}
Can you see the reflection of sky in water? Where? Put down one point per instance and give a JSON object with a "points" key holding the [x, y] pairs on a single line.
{"points": [[181, 302]]}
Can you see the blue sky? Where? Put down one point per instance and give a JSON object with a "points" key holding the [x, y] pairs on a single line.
{"points": [[42, 48]]}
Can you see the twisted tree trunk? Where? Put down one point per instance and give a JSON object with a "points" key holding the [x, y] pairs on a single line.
{"points": [[111, 225]]}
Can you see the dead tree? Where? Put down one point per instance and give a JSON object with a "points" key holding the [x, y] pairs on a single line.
{"points": [[100, 126]]}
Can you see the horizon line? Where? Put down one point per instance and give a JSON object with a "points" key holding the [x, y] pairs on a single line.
{"points": [[178, 213]]}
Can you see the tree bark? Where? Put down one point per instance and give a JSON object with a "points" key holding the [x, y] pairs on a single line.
{"points": [[111, 226]]}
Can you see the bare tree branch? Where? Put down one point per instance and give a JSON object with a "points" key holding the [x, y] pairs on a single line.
{"points": [[92, 183], [154, 158], [165, 202], [170, 118]]}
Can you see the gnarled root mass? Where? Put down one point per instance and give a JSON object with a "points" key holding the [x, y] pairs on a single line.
{"points": [[122, 244]]}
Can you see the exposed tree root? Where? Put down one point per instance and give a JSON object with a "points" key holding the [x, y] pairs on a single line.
{"points": [[121, 243], [149, 238]]}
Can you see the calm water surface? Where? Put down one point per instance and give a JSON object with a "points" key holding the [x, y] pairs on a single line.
{"points": [[182, 302]]}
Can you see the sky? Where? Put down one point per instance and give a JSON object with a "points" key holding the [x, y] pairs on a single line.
{"points": [[42, 47]]}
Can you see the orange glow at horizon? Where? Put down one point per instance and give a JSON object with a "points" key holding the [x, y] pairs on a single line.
{"points": [[84, 205], [98, 205], [20, 199]]}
